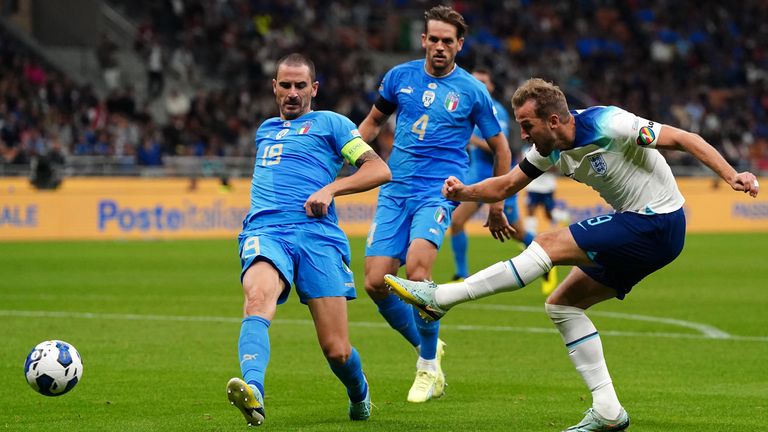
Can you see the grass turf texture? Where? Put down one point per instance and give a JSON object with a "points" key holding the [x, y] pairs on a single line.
{"points": [[160, 344]]}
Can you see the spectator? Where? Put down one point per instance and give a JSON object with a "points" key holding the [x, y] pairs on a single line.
{"points": [[106, 54]]}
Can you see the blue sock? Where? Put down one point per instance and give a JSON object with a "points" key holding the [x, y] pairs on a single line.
{"points": [[528, 239], [351, 375], [428, 331], [253, 349], [459, 244], [399, 316]]}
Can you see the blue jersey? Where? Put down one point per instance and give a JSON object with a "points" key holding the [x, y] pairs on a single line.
{"points": [[435, 118], [294, 159], [481, 161]]}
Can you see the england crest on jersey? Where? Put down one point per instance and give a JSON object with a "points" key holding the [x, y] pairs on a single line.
{"points": [[451, 101], [598, 164], [428, 97]]}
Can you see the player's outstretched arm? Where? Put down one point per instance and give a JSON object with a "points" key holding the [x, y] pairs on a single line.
{"points": [[672, 138], [372, 172], [490, 190]]}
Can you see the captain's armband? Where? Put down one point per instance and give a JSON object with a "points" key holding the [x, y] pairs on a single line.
{"points": [[354, 149]]}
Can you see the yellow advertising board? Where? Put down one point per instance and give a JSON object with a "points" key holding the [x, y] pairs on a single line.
{"points": [[163, 208]]}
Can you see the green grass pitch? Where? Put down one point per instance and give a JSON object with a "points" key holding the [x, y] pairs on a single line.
{"points": [[157, 324]]}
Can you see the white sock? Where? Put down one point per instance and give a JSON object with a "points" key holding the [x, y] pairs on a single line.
{"points": [[531, 224], [427, 365], [586, 352], [503, 276]]}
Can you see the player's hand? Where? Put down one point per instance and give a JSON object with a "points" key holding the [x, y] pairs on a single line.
{"points": [[498, 224], [454, 189], [745, 182], [317, 204]]}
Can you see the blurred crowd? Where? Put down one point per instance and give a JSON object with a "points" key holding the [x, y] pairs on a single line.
{"points": [[702, 66]]}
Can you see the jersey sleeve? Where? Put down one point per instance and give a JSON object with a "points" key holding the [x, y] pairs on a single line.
{"points": [[484, 117], [541, 162], [503, 116], [625, 125], [387, 87], [347, 139]]}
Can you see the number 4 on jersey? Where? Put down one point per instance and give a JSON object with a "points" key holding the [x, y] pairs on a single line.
{"points": [[420, 126]]}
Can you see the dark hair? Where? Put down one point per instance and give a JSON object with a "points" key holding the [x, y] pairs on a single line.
{"points": [[296, 59], [446, 14], [548, 97]]}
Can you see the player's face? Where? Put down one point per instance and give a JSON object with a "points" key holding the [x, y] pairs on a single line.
{"points": [[535, 130], [293, 90], [485, 79], [441, 45]]}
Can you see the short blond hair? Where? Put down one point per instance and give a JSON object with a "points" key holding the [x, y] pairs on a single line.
{"points": [[548, 97]]}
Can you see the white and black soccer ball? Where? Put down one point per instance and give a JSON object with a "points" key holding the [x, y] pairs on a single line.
{"points": [[53, 367]]}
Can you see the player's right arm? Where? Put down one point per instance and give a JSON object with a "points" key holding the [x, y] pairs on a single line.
{"points": [[384, 106], [371, 125], [492, 189]]}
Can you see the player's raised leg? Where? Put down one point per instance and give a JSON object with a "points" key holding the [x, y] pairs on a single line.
{"points": [[262, 287], [330, 316], [554, 247]]}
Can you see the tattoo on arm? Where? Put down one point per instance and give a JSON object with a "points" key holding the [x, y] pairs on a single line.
{"points": [[365, 157]]}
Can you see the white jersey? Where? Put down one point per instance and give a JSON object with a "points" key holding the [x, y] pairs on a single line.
{"points": [[614, 153], [543, 184]]}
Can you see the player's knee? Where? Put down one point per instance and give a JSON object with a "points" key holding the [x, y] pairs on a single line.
{"points": [[375, 287], [561, 313], [546, 239], [419, 274], [337, 352]]}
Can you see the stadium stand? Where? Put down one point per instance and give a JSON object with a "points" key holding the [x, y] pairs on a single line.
{"points": [[700, 66]]}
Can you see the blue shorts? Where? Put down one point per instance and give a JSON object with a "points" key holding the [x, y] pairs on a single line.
{"points": [[626, 247], [398, 221], [545, 199], [314, 256]]}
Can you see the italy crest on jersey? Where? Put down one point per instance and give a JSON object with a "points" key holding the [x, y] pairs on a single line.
{"points": [[598, 164], [305, 128], [427, 98], [451, 101]]}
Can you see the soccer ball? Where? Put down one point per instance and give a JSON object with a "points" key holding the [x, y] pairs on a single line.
{"points": [[53, 367]]}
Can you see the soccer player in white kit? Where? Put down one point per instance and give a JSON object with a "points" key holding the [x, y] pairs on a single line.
{"points": [[614, 152]]}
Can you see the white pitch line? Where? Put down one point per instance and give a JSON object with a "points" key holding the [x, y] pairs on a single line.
{"points": [[366, 324], [705, 329]]}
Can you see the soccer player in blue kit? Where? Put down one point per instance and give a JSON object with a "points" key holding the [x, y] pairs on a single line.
{"points": [[438, 104], [614, 152], [480, 168], [291, 234]]}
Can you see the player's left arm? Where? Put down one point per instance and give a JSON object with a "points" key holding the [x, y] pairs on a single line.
{"points": [[372, 171], [672, 138]]}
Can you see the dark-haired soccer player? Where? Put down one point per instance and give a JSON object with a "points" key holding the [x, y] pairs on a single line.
{"points": [[614, 152], [480, 168], [438, 104], [291, 234]]}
